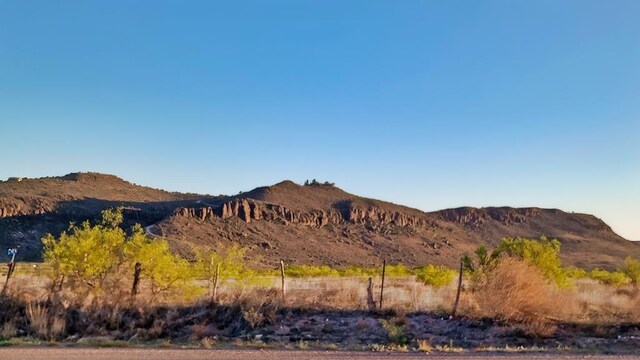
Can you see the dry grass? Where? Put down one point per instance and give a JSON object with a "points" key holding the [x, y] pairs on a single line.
{"points": [[38, 319], [8, 330], [517, 293], [424, 345]]}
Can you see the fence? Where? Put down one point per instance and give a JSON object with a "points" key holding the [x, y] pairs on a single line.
{"points": [[344, 292]]}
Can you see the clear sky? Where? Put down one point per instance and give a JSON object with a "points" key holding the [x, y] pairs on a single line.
{"points": [[431, 104]]}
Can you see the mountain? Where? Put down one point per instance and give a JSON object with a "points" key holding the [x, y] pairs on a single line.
{"points": [[303, 224]]}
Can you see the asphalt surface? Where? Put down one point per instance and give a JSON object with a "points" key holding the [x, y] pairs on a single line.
{"points": [[40, 353]]}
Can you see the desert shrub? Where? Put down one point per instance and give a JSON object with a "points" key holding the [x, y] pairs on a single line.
{"points": [[231, 264], [310, 271], [398, 270], [98, 257], [576, 273], [436, 276], [166, 273], [355, 271], [517, 292], [542, 253], [396, 331], [631, 269], [484, 261], [44, 323], [613, 278]]}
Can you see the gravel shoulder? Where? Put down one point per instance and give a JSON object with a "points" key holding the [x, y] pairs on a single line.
{"points": [[39, 353]]}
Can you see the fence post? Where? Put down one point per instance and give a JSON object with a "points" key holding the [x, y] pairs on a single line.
{"points": [[211, 275], [371, 304], [284, 291], [455, 304], [12, 266], [384, 268], [136, 279], [214, 293]]}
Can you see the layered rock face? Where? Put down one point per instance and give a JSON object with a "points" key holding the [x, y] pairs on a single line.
{"points": [[251, 210], [31, 206], [475, 217]]}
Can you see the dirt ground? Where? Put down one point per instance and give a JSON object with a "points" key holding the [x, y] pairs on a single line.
{"points": [[177, 354]]}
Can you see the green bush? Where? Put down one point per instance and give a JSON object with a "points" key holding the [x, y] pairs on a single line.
{"points": [[542, 253], [98, 258], [355, 271], [436, 276], [631, 269], [613, 278], [310, 271], [398, 270], [576, 273]]}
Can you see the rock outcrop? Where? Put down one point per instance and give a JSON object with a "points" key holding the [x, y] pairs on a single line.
{"points": [[475, 217], [252, 210]]}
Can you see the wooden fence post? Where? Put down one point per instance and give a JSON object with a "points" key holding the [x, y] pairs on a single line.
{"points": [[284, 291], [211, 279], [136, 279], [214, 292], [455, 304], [12, 266], [384, 268], [371, 304]]}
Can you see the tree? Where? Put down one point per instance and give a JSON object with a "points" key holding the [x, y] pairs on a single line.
{"points": [[100, 256], [87, 253]]}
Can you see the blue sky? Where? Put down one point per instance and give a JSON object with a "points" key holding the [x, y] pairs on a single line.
{"points": [[431, 104]]}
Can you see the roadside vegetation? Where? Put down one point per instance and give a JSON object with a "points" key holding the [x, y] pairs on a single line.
{"points": [[100, 280]]}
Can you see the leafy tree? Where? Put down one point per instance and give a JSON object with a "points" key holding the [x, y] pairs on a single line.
{"points": [[102, 255], [631, 269], [87, 253], [165, 272]]}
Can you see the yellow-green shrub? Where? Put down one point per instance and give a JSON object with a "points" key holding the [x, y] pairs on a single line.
{"points": [[436, 276], [614, 278], [631, 269], [310, 271], [100, 256], [542, 253]]}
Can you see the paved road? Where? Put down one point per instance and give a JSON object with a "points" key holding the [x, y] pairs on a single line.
{"points": [[41, 353]]}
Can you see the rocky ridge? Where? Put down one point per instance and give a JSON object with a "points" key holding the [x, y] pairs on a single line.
{"points": [[317, 224]]}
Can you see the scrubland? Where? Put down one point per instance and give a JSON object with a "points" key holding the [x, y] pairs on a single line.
{"points": [[130, 291]]}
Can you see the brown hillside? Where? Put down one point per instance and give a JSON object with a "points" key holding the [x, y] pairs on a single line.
{"points": [[314, 224]]}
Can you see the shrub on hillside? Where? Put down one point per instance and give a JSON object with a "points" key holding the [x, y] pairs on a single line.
{"points": [[310, 271], [631, 269], [613, 278], [436, 276]]}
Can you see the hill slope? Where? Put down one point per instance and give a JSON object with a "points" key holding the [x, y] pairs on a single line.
{"points": [[316, 224]]}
